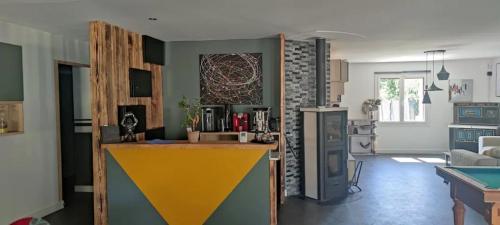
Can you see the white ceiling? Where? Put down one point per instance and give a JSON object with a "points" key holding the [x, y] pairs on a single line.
{"points": [[387, 30]]}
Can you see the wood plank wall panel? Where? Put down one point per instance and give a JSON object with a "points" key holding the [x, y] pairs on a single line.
{"points": [[113, 50]]}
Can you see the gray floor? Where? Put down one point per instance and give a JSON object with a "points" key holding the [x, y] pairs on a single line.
{"points": [[78, 211], [394, 193]]}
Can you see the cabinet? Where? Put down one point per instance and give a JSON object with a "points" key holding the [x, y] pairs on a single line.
{"points": [[11, 118], [339, 74], [471, 121], [467, 136]]}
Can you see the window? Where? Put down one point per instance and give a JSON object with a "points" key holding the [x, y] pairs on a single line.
{"points": [[401, 98]]}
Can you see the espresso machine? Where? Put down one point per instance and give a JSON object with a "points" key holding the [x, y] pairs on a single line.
{"points": [[212, 119]]}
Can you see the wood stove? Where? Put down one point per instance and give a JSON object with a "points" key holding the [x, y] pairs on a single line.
{"points": [[325, 153], [324, 141]]}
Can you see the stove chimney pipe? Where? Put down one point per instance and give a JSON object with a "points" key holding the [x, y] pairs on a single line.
{"points": [[320, 72]]}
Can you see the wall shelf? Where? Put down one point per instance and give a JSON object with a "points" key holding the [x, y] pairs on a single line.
{"points": [[12, 113], [11, 133]]}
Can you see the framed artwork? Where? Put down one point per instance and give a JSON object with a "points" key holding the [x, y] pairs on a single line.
{"points": [[231, 79], [460, 90]]}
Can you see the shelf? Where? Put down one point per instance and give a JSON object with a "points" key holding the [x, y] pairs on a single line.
{"points": [[362, 135], [232, 133], [11, 112], [227, 136], [12, 133]]}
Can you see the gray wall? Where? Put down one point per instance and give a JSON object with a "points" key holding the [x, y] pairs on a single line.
{"points": [[182, 77], [29, 160]]}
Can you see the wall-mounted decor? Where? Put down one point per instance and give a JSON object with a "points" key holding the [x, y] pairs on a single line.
{"points": [[140, 82], [231, 79], [153, 50], [11, 72], [460, 90]]}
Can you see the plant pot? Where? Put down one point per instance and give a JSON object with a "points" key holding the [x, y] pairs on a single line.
{"points": [[194, 136]]}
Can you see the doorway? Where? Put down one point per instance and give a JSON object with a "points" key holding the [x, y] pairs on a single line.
{"points": [[75, 144]]}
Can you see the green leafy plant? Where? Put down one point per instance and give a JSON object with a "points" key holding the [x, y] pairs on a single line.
{"points": [[192, 110], [390, 92]]}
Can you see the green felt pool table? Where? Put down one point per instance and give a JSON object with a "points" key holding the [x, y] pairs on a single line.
{"points": [[476, 187]]}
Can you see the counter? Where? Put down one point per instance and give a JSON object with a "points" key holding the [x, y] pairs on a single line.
{"points": [[188, 184]]}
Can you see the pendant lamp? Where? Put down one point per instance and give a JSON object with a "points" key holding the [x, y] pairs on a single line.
{"points": [[427, 98], [443, 74], [433, 86]]}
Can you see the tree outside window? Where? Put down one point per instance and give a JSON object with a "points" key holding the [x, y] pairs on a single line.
{"points": [[401, 98]]}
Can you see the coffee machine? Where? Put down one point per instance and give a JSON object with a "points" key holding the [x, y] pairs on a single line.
{"points": [[211, 119], [240, 122]]}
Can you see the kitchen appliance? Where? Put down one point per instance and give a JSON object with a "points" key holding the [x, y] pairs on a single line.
{"points": [[228, 112], [211, 119], [261, 118], [240, 122]]}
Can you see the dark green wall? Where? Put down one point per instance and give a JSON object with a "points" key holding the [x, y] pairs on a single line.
{"points": [[11, 73], [182, 75]]}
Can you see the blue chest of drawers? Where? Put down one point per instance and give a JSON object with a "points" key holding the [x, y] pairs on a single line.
{"points": [[472, 120]]}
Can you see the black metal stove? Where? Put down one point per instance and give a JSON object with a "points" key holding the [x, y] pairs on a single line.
{"points": [[324, 142]]}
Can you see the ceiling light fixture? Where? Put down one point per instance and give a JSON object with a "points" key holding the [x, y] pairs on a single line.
{"points": [[433, 86], [427, 98], [443, 74]]}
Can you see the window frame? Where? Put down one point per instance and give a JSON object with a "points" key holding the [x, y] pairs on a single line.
{"points": [[401, 77]]}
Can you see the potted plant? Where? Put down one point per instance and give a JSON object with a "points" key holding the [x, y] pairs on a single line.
{"points": [[370, 106], [192, 110]]}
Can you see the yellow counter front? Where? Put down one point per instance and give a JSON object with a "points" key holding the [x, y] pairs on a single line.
{"points": [[189, 184]]}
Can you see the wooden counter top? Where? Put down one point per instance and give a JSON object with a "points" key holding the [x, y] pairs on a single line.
{"points": [[182, 144]]}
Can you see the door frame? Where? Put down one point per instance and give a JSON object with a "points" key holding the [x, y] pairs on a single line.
{"points": [[58, 120]]}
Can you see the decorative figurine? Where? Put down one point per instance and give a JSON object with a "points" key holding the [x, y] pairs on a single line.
{"points": [[129, 122]]}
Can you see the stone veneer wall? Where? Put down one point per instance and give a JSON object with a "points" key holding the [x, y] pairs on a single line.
{"points": [[300, 91]]}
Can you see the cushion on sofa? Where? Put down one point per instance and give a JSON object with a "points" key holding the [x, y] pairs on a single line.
{"points": [[493, 152], [460, 157]]}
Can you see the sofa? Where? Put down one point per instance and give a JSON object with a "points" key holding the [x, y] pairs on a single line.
{"points": [[489, 153]]}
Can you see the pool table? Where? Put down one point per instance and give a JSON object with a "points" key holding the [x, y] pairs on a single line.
{"points": [[476, 187]]}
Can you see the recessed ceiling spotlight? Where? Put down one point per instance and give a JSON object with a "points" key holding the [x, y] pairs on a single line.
{"points": [[152, 19]]}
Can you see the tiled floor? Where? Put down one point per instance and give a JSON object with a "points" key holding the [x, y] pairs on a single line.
{"points": [[397, 190]]}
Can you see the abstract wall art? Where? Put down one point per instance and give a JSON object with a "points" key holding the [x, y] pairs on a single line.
{"points": [[460, 90], [231, 79]]}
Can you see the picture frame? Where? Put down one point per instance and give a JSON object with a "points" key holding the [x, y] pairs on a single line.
{"points": [[460, 90]]}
